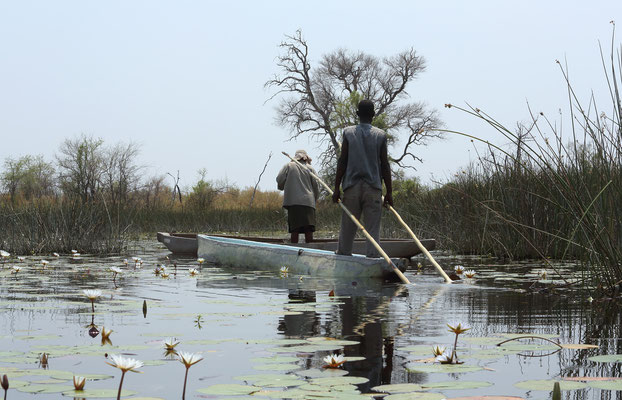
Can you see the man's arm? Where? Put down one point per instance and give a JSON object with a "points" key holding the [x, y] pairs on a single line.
{"points": [[342, 164], [385, 169]]}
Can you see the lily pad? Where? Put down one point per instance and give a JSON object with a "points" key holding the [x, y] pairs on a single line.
{"points": [[97, 393], [606, 385], [486, 398], [43, 388], [547, 385], [310, 348], [398, 388], [415, 396], [229, 389], [446, 368], [271, 380], [419, 349], [333, 341], [607, 358], [322, 373], [578, 346], [339, 380], [275, 359], [458, 384], [276, 367]]}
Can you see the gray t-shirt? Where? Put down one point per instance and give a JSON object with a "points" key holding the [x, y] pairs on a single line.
{"points": [[364, 145]]}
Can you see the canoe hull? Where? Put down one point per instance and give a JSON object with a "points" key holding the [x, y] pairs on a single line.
{"points": [[299, 261], [186, 243]]}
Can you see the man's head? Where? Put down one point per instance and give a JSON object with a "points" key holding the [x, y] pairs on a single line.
{"points": [[302, 156], [366, 111]]}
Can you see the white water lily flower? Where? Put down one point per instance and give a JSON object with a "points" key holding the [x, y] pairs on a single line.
{"points": [[543, 274], [136, 259], [78, 382], [284, 269], [125, 261], [334, 360], [469, 273], [5, 254], [444, 358], [76, 255], [92, 294], [44, 262], [116, 270], [189, 359], [74, 251], [58, 255], [16, 269], [124, 364], [21, 258], [170, 343], [200, 260], [457, 327], [438, 350], [164, 274], [193, 271], [459, 269]]}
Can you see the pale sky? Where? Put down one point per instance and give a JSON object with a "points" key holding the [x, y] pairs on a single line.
{"points": [[185, 79]]}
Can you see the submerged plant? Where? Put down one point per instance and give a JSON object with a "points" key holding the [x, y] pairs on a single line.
{"points": [[124, 364], [188, 359], [78, 382], [334, 360], [92, 294]]}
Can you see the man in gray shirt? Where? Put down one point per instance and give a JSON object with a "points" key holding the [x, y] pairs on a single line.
{"points": [[362, 166], [301, 191]]}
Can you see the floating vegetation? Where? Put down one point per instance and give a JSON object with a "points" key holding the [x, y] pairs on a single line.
{"points": [[260, 335]]}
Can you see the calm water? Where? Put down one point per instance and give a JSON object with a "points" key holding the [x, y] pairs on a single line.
{"points": [[249, 324]]}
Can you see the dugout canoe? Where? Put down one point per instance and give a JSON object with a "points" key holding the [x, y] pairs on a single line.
{"points": [[253, 255], [186, 244]]}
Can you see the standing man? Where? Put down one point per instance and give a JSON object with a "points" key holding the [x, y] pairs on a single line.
{"points": [[361, 168], [301, 191]]}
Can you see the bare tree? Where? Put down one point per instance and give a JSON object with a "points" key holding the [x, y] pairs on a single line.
{"points": [[321, 101], [120, 171], [80, 164]]}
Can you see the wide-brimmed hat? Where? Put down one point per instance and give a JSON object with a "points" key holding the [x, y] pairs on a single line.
{"points": [[302, 155]]}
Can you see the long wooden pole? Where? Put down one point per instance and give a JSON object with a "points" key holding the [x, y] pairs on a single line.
{"points": [[421, 246], [359, 225]]}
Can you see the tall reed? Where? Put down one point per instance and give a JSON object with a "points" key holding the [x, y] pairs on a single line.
{"points": [[556, 193]]}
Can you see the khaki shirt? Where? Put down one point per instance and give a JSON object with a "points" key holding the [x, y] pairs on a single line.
{"points": [[300, 188]]}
